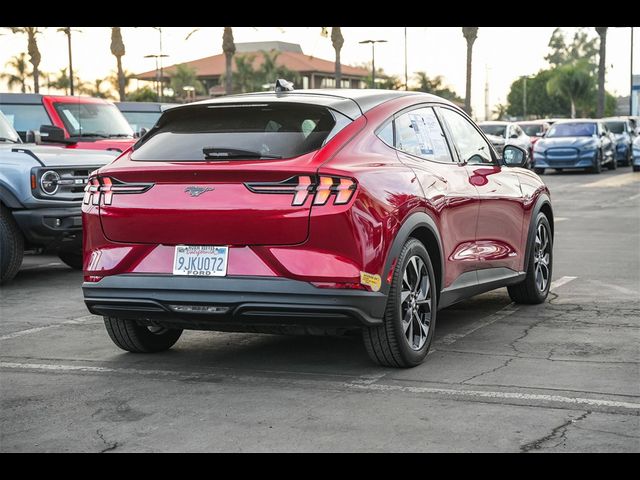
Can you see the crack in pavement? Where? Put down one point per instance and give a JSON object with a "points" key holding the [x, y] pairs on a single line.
{"points": [[560, 429], [108, 446], [504, 364]]}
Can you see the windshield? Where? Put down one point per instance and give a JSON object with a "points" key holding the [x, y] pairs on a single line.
{"points": [[581, 129], [497, 130], [532, 129], [93, 120], [615, 127], [7, 133], [244, 131]]}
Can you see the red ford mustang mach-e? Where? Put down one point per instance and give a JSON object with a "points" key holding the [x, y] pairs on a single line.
{"points": [[311, 211]]}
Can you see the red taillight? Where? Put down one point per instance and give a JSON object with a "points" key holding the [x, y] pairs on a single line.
{"points": [[103, 188], [303, 186]]}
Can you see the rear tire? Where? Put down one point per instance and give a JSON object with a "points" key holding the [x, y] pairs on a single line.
{"points": [[539, 171], [636, 168], [408, 327], [133, 337], [613, 164], [535, 287], [11, 246], [73, 259], [629, 160]]}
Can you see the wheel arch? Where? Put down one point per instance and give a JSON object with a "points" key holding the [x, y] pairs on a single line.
{"points": [[543, 204], [422, 227]]}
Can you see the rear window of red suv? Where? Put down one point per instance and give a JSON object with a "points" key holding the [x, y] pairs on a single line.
{"points": [[239, 131]]}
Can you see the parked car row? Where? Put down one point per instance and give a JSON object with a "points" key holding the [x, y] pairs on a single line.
{"points": [[49, 145], [564, 144]]}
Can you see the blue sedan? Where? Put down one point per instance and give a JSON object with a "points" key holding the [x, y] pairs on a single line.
{"points": [[623, 134], [572, 144]]}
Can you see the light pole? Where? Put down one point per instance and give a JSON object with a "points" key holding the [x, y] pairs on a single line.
{"points": [[631, 77], [158, 80], [373, 59], [406, 75], [524, 96], [161, 69]]}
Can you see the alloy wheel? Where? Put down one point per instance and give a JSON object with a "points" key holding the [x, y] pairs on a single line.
{"points": [[415, 303], [541, 257]]}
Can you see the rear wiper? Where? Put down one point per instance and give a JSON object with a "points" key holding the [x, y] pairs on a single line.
{"points": [[2, 139], [213, 153]]}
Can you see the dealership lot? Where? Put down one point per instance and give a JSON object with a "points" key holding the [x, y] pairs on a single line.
{"points": [[561, 376]]}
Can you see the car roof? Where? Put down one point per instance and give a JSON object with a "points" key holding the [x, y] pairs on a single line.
{"points": [[578, 120], [615, 119], [494, 122], [349, 102], [36, 98], [532, 122], [144, 106]]}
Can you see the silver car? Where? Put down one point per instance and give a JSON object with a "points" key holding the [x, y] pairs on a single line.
{"points": [[501, 134]]}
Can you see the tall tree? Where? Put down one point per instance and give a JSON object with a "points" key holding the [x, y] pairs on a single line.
{"points": [[185, 76], [34, 52], [572, 81], [338, 41], [229, 49], [245, 78], [270, 71], [118, 51], [470, 35], [602, 32], [582, 47], [436, 86], [95, 89], [21, 72]]}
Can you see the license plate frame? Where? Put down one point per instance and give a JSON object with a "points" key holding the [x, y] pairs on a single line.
{"points": [[200, 260]]}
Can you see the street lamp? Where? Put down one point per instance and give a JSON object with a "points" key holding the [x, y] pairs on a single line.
{"points": [[524, 96], [373, 59], [158, 78]]}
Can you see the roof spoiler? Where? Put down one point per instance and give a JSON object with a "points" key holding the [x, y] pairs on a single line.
{"points": [[283, 85]]}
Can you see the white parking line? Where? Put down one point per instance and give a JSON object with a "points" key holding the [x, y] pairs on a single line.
{"points": [[29, 331], [561, 281], [499, 315], [499, 395], [559, 219], [365, 385]]}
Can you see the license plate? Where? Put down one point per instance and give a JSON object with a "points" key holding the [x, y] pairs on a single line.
{"points": [[203, 261]]}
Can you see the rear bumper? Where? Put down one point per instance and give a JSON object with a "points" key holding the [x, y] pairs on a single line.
{"points": [[246, 301], [50, 227]]}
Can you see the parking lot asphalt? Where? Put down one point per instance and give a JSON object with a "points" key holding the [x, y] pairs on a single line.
{"points": [[562, 376]]}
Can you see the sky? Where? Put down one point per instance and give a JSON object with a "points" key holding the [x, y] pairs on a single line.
{"points": [[500, 54]]}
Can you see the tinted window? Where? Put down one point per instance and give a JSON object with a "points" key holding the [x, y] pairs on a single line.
{"points": [[26, 117], [532, 130], [578, 129], [419, 133], [386, 134], [93, 120], [497, 130], [227, 132], [139, 120], [470, 144], [615, 127]]}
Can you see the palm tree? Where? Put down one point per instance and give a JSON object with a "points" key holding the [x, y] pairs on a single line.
{"points": [[337, 40], [500, 111], [470, 35], [245, 77], [95, 89], [602, 32], [34, 52], [229, 49], [185, 76], [571, 81], [19, 65], [114, 80], [118, 51]]}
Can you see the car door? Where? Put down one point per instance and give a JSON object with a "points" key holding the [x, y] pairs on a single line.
{"points": [[421, 144], [499, 239]]}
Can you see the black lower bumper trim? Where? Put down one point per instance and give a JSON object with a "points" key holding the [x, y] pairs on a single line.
{"points": [[49, 226], [241, 301]]}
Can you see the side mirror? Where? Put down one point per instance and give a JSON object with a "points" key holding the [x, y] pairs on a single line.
{"points": [[539, 134], [514, 135], [53, 134], [514, 156], [33, 136]]}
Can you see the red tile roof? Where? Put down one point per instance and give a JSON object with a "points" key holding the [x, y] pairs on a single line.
{"points": [[298, 62]]}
